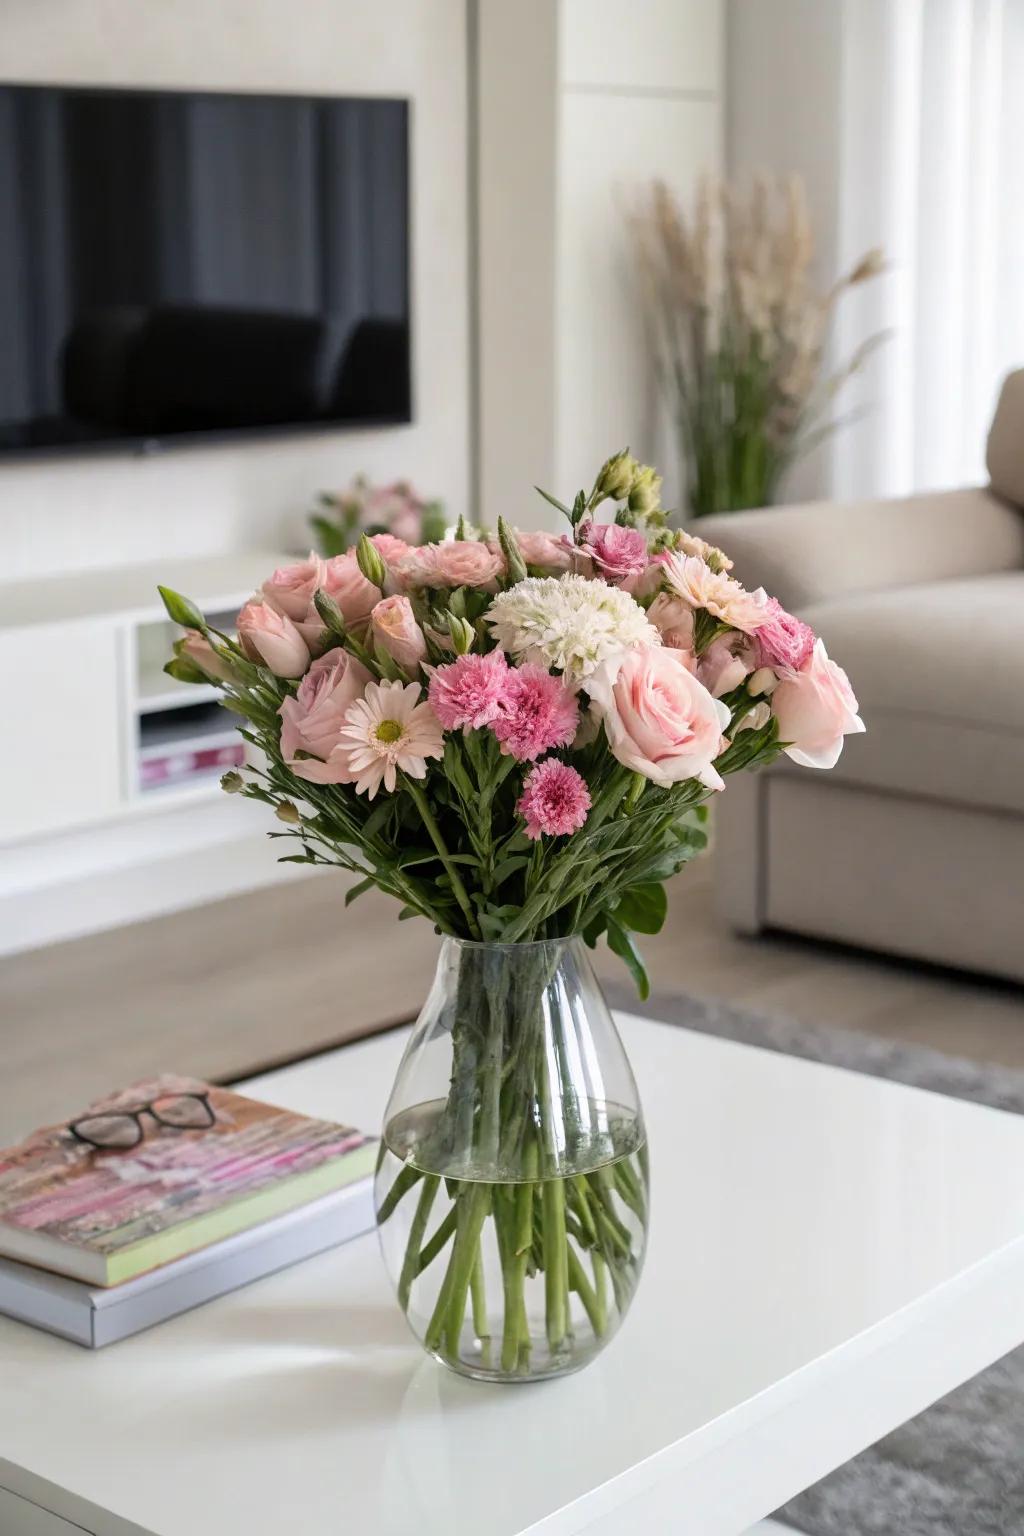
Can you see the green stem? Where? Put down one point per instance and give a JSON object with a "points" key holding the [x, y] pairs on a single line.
{"points": [[406, 1177], [556, 1262], [473, 1207], [585, 1291], [410, 1264], [434, 831], [437, 1242]]}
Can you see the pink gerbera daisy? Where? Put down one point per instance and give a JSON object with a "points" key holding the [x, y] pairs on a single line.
{"points": [[536, 713], [385, 730], [469, 691], [555, 799]]}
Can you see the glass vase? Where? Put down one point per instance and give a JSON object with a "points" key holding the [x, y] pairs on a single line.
{"points": [[512, 1186]]}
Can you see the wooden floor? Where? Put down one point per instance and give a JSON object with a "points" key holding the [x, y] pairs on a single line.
{"points": [[221, 990]]}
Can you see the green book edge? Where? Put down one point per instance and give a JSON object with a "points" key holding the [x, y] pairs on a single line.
{"points": [[214, 1226]]}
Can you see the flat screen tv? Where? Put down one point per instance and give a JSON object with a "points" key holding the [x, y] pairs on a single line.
{"points": [[177, 264]]}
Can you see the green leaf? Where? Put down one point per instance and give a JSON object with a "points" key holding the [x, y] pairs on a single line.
{"points": [[620, 942], [355, 891], [554, 501], [296, 858], [185, 671], [406, 913], [376, 819], [509, 866], [182, 610], [643, 908], [594, 929]]}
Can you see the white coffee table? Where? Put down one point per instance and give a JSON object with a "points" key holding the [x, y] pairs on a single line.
{"points": [[830, 1255]]}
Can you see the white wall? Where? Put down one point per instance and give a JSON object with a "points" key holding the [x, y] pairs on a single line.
{"points": [[582, 104], [69, 514], [640, 100], [783, 80]]}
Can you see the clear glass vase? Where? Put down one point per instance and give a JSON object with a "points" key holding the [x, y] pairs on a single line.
{"points": [[512, 1186]]}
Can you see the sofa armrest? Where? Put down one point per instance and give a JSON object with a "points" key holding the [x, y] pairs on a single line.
{"points": [[815, 550]]}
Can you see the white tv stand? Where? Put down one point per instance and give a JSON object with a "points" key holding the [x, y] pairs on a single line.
{"points": [[87, 704]]}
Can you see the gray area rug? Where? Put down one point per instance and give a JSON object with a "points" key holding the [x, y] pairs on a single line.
{"points": [[958, 1468]]}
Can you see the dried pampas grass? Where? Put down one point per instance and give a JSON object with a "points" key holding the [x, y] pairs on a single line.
{"points": [[739, 330]]}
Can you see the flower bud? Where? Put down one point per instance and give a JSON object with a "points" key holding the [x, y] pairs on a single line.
{"points": [[645, 491], [288, 813], [616, 476], [371, 562], [232, 783], [463, 634], [763, 681], [329, 611], [514, 562]]}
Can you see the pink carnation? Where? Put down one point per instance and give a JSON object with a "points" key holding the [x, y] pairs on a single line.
{"points": [[536, 712], [782, 640], [618, 553], [555, 799], [469, 691]]}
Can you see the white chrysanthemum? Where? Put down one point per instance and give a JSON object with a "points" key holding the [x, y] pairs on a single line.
{"points": [[568, 622]]}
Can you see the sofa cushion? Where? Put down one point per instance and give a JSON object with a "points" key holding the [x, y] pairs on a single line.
{"points": [[1005, 455], [939, 673]]}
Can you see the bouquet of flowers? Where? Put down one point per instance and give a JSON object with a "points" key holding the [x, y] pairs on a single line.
{"points": [[371, 509], [516, 737]]}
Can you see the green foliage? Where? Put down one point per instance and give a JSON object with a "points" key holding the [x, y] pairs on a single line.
{"points": [[642, 907]]}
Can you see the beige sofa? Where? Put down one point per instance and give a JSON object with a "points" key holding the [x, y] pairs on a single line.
{"points": [[914, 843]]}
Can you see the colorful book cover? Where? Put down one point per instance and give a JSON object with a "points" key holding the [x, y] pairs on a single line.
{"points": [[105, 1215]]}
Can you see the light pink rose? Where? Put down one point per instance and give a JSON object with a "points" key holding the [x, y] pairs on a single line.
{"points": [[620, 554], [393, 625], [727, 662], [815, 708], [548, 553], [290, 589], [311, 722], [198, 649], [673, 619], [271, 638], [457, 563], [659, 720], [354, 595], [390, 548]]}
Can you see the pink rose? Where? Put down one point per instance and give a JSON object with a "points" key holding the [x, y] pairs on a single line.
{"points": [[393, 625], [548, 553], [618, 553], [271, 638], [354, 595], [311, 722], [673, 619], [727, 662], [391, 549], [290, 589], [198, 649], [457, 563], [659, 720], [815, 708]]}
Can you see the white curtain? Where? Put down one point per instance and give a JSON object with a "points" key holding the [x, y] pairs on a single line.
{"points": [[931, 166]]}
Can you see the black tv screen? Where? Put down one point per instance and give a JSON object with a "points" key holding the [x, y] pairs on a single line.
{"points": [[174, 264]]}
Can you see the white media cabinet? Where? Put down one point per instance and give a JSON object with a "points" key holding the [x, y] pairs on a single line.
{"points": [[86, 707]]}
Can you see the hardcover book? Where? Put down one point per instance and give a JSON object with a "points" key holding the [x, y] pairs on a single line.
{"points": [[104, 1215]]}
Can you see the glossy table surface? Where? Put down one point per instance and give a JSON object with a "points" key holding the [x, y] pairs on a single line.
{"points": [[829, 1253]]}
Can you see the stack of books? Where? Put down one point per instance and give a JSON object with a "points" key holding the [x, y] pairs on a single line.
{"points": [[165, 1196]]}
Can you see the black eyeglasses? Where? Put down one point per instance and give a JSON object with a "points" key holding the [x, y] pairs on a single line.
{"points": [[120, 1129]]}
